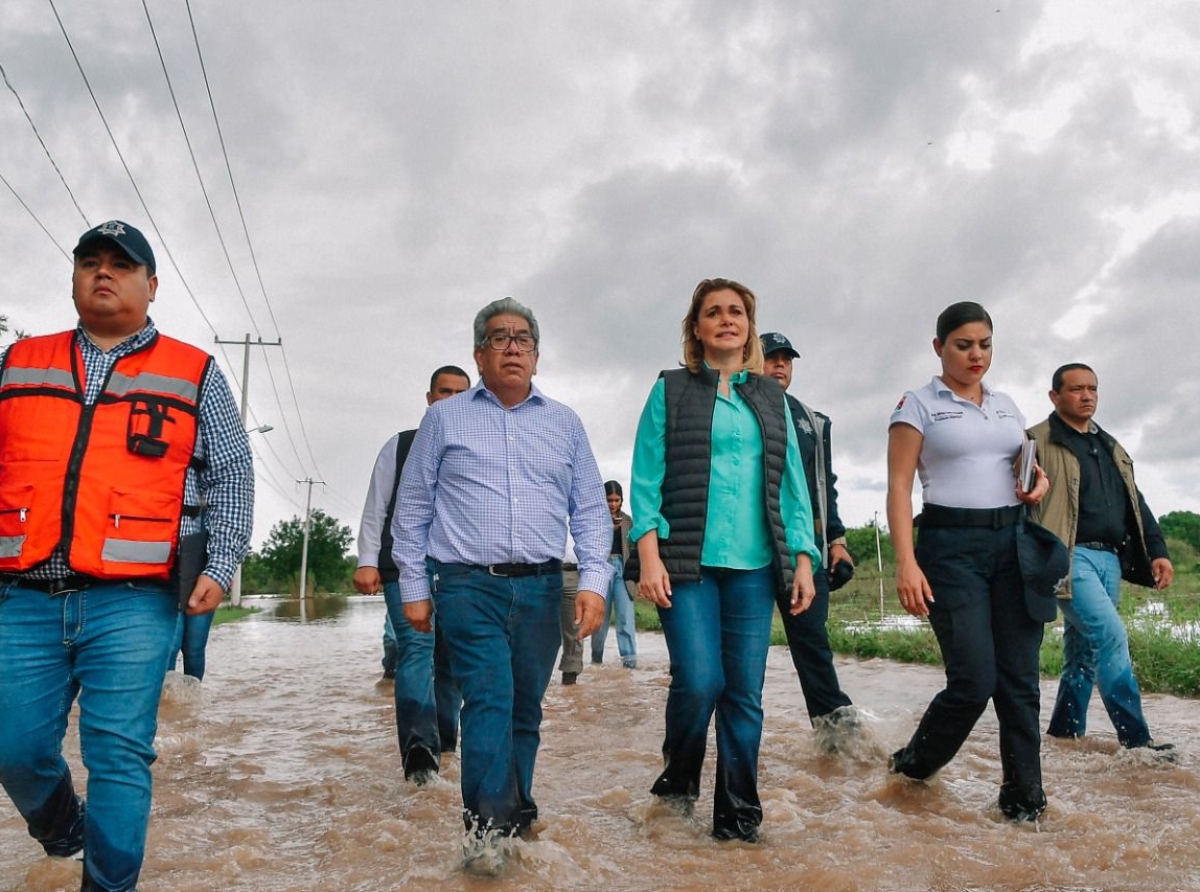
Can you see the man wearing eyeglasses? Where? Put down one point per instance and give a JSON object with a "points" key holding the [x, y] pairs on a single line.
{"points": [[491, 481]]}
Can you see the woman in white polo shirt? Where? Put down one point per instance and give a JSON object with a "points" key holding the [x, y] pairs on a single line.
{"points": [[962, 438]]}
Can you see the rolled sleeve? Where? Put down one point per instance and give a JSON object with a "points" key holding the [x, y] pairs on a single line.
{"points": [[226, 480], [794, 503], [591, 523], [650, 467], [415, 510]]}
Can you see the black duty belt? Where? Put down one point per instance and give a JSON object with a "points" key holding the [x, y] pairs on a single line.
{"points": [[1098, 546], [993, 518], [75, 582], [515, 570]]}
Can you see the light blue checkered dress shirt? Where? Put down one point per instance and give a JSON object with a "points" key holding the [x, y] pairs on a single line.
{"points": [[488, 485]]}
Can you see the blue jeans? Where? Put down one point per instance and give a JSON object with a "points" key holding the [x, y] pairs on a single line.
{"points": [[1096, 651], [502, 635], [108, 645], [427, 700], [389, 647], [620, 603], [808, 642], [191, 637], [718, 631]]}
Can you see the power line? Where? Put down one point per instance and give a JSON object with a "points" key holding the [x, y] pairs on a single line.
{"points": [[29, 211], [196, 167], [45, 149], [128, 172], [249, 243]]}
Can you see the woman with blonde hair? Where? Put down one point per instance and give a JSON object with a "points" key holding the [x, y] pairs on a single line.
{"points": [[722, 521]]}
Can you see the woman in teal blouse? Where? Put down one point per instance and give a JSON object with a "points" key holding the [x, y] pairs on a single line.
{"points": [[722, 520]]}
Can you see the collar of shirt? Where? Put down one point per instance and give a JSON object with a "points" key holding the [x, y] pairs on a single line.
{"points": [[738, 377], [940, 387], [135, 341], [481, 391]]}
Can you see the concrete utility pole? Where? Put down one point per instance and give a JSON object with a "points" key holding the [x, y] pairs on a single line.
{"points": [[304, 545], [235, 588]]}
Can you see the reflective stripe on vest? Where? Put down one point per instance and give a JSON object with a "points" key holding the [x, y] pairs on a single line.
{"points": [[35, 377], [131, 551], [10, 546], [120, 385]]}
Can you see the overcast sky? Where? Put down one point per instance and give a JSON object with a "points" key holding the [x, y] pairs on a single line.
{"points": [[399, 165]]}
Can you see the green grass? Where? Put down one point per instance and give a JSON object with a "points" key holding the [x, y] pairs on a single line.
{"points": [[1164, 662], [227, 613]]}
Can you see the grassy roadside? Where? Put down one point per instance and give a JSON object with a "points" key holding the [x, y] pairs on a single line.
{"points": [[1166, 659], [227, 613]]}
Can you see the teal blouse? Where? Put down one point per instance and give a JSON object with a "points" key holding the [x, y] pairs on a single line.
{"points": [[736, 535]]}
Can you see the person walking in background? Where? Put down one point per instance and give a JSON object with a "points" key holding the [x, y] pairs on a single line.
{"points": [[427, 701], [620, 599], [111, 438], [570, 664], [722, 522], [807, 636], [1098, 511], [964, 572], [491, 482]]}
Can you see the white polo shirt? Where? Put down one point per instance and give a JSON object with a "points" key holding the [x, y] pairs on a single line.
{"points": [[967, 456]]}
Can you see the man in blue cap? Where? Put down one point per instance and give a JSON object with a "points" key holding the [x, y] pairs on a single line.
{"points": [[808, 640], [112, 437]]}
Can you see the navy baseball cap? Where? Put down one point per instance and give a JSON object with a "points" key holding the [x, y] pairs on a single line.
{"points": [[774, 342], [128, 238]]}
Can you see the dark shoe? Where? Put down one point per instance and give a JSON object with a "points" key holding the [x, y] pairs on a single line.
{"points": [[1161, 752], [741, 830], [1066, 735], [420, 765], [1026, 804], [421, 777], [389, 674], [570, 677], [630, 663], [902, 762]]}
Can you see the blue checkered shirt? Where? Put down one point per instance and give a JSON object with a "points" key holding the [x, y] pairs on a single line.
{"points": [[225, 485], [488, 485]]}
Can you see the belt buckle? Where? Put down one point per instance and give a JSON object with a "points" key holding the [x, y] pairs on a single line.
{"points": [[492, 571], [55, 591]]}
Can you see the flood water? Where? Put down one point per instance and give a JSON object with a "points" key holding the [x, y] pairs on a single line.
{"points": [[281, 772]]}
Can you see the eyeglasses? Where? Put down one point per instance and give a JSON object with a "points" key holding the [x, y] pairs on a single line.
{"points": [[525, 342]]}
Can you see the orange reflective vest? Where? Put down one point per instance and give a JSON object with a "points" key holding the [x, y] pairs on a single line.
{"points": [[105, 480]]}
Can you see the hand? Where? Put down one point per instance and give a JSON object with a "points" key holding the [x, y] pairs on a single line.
{"points": [[1041, 486], [205, 597], [1164, 573], [419, 615], [655, 584], [837, 553], [803, 590], [589, 612], [913, 589], [367, 581]]}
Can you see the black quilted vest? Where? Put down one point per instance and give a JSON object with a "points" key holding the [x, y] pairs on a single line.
{"points": [[690, 402]]}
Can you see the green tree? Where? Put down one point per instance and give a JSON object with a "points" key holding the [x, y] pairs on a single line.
{"points": [[329, 565], [4, 329], [860, 542], [1182, 525]]}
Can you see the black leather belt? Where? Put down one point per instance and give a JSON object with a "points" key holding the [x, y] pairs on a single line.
{"points": [[574, 568], [1098, 546], [516, 570], [75, 582], [994, 518]]}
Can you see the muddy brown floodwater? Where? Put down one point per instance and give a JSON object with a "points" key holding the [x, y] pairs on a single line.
{"points": [[281, 772]]}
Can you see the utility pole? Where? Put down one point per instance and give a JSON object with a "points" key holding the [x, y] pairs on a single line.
{"points": [[879, 560], [235, 588], [304, 546]]}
